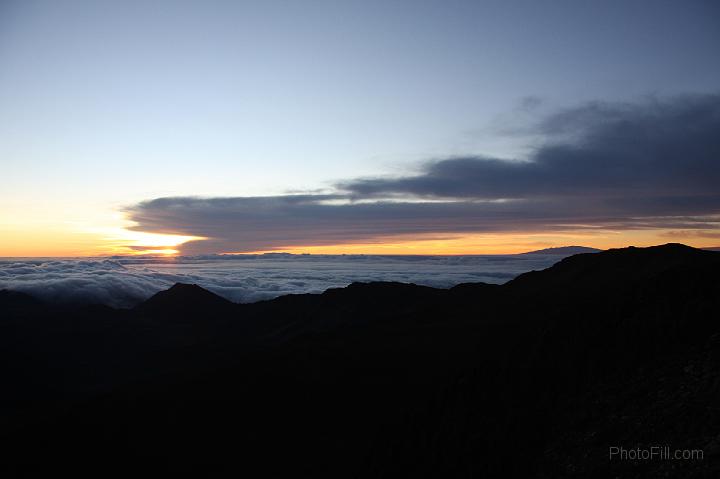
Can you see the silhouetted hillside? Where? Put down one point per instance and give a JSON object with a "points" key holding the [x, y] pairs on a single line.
{"points": [[535, 378], [565, 250], [183, 299]]}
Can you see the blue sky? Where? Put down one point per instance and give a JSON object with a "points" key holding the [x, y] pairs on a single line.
{"points": [[106, 104]]}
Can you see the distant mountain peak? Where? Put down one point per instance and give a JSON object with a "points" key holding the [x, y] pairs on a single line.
{"points": [[187, 288], [665, 249], [183, 298], [565, 250]]}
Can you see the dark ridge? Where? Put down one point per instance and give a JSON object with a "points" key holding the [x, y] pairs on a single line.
{"points": [[474, 291], [565, 250], [379, 289], [616, 268], [182, 299], [536, 378]]}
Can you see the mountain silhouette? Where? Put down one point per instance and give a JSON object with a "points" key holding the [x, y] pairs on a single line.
{"points": [[618, 268], [183, 299], [565, 250], [534, 378]]}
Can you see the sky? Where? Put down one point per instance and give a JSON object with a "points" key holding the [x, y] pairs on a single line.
{"points": [[454, 127]]}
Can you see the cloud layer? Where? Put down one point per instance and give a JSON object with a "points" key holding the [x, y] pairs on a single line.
{"points": [[124, 282], [650, 164]]}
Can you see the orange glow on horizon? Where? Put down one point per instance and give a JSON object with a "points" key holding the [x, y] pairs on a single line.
{"points": [[164, 251], [127, 242], [73, 239], [509, 243]]}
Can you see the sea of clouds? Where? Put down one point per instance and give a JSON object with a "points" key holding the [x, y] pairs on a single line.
{"points": [[126, 281]]}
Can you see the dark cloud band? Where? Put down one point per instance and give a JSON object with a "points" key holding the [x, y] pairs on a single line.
{"points": [[653, 164]]}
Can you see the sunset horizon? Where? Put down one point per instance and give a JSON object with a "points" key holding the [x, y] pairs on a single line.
{"points": [[463, 129], [412, 248], [327, 239]]}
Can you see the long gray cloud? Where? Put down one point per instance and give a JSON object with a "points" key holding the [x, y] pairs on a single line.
{"points": [[650, 164]]}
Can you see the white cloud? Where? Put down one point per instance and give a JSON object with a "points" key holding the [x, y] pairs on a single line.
{"points": [[124, 282]]}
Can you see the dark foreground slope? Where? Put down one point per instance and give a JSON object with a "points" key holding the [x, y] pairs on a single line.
{"points": [[535, 378]]}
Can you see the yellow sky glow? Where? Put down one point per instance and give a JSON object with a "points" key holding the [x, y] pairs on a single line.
{"points": [[36, 235], [100, 234], [52, 242]]}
